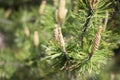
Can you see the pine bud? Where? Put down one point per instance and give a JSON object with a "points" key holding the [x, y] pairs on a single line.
{"points": [[96, 40], [62, 3], [36, 39], [56, 33], [8, 13], [93, 3], [62, 11], [42, 7], [26, 32], [62, 14], [61, 40]]}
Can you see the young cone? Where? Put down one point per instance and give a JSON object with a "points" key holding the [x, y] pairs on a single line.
{"points": [[36, 39], [62, 3], [62, 11], [42, 7], [62, 15], [8, 13], [96, 41]]}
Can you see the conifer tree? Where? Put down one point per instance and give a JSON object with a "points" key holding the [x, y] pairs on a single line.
{"points": [[59, 39]]}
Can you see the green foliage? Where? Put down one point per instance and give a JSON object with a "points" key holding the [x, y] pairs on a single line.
{"points": [[21, 60], [79, 41]]}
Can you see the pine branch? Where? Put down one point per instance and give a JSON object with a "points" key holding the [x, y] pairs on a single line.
{"points": [[86, 25]]}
